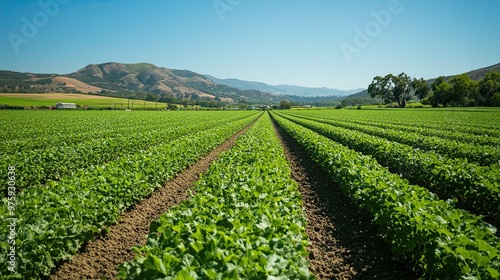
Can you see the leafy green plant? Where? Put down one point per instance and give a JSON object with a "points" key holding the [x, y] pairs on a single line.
{"points": [[39, 160], [440, 132], [486, 154], [445, 242], [477, 188], [245, 222], [53, 221]]}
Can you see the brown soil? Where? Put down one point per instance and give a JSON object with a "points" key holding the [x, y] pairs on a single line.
{"points": [[343, 242], [100, 258]]}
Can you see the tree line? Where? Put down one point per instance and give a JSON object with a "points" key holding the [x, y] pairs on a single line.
{"points": [[459, 91]]}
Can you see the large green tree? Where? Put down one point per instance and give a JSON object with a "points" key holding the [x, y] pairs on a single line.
{"points": [[488, 93], [398, 88], [463, 90], [441, 92], [285, 104], [381, 87], [402, 89], [420, 87]]}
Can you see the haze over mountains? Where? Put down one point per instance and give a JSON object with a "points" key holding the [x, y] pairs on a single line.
{"points": [[284, 89]]}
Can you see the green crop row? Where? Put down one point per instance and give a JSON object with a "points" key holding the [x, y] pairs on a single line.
{"points": [[484, 155], [55, 220], [245, 222], [46, 129], [468, 122], [482, 139], [40, 129], [36, 167], [475, 187], [445, 242]]}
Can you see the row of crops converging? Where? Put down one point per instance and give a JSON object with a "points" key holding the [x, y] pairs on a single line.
{"points": [[429, 184], [87, 184], [397, 183]]}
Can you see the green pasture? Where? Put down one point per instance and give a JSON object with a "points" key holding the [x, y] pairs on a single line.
{"points": [[50, 99]]}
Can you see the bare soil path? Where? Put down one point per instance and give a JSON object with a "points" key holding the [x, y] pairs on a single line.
{"points": [[100, 258], [343, 242]]}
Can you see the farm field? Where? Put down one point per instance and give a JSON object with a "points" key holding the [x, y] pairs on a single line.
{"points": [[299, 194], [94, 101]]}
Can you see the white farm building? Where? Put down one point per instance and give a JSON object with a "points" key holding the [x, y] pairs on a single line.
{"points": [[61, 105]]}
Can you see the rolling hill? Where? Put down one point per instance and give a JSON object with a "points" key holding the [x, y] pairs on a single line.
{"points": [[117, 79], [475, 75], [182, 84]]}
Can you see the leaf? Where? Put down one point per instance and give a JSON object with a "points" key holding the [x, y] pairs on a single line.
{"points": [[493, 272], [264, 222], [196, 246], [184, 275]]}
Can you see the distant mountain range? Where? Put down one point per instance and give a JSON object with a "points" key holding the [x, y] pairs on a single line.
{"points": [[284, 89], [150, 81], [118, 79], [121, 79]]}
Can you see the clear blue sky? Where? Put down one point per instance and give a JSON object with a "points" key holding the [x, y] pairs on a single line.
{"points": [[300, 42]]}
